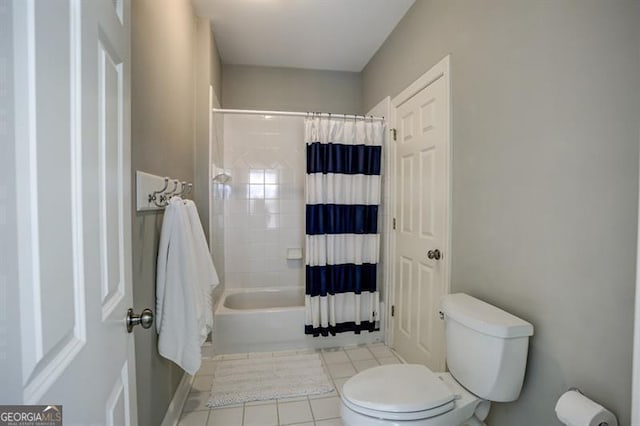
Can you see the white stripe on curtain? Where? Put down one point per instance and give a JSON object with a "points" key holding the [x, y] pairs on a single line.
{"points": [[338, 249], [344, 131], [332, 188], [340, 308]]}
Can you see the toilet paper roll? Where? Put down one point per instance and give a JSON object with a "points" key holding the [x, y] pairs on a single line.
{"points": [[575, 409]]}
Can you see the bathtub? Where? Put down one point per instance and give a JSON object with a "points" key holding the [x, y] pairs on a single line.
{"points": [[270, 319]]}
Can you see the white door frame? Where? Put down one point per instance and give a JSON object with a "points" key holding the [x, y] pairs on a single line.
{"points": [[440, 70], [383, 109], [635, 394]]}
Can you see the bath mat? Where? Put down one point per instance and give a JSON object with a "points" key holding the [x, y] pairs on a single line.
{"points": [[260, 379]]}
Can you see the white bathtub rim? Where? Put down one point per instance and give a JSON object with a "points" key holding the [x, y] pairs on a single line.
{"points": [[223, 310]]}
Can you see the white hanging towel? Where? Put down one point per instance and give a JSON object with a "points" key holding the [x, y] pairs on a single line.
{"points": [[176, 298], [206, 275]]}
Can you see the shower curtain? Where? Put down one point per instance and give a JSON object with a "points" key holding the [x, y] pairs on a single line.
{"points": [[343, 186]]}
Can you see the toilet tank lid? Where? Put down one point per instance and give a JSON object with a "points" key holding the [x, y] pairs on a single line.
{"points": [[483, 317]]}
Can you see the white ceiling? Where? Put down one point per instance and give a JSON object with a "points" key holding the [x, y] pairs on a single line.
{"points": [[337, 35]]}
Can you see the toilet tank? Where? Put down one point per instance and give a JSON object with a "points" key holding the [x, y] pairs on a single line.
{"points": [[486, 347]]}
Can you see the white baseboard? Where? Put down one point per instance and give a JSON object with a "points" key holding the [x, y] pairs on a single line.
{"points": [[174, 410]]}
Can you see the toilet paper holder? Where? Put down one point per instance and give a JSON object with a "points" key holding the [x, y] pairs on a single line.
{"points": [[577, 389]]}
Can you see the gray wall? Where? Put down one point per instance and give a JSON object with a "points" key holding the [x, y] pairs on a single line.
{"points": [[215, 67], [291, 89], [166, 135], [10, 346], [545, 176]]}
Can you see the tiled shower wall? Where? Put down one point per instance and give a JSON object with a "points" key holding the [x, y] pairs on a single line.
{"points": [[264, 206]]}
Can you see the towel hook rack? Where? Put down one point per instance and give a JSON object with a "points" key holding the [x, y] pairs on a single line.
{"points": [[186, 188], [150, 195], [154, 195]]}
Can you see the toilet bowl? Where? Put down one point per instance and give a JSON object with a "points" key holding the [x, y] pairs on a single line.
{"points": [[407, 395], [486, 353]]}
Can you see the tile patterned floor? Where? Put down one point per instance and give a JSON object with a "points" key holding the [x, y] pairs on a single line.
{"points": [[316, 410]]}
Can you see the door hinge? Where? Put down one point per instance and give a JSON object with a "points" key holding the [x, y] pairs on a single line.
{"points": [[394, 223], [393, 310], [394, 132]]}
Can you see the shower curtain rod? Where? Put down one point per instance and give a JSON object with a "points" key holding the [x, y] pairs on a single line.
{"points": [[296, 114]]}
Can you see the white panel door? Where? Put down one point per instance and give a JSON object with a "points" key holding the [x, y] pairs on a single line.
{"points": [[422, 224], [74, 204]]}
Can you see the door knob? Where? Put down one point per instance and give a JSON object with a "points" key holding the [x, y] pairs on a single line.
{"points": [[434, 254], [145, 319]]}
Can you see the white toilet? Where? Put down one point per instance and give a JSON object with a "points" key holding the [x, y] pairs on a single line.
{"points": [[486, 351]]}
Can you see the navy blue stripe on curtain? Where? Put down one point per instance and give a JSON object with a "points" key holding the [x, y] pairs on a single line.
{"points": [[341, 219], [344, 159], [345, 278], [341, 328]]}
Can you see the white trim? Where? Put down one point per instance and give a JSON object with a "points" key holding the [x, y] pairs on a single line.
{"points": [[79, 297], [635, 387], [383, 108], [172, 416], [440, 70], [26, 184]]}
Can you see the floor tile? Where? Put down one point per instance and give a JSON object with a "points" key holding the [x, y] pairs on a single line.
{"points": [[330, 422], [324, 395], [341, 370], [292, 399], [339, 383], [321, 410], [365, 364], [234, 356], [285, 353], [294, 412], [381, 351], [194, 418], [335, 357], [359, 354], [207, 367], [197, 401], [350, 347], [261, 415], [389, 360], [261, 402], [261, 355], [225, 417], [325, 408], [202, 384]]}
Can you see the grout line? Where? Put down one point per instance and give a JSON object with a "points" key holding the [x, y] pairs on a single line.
{"points": [[244, 404], [277, 413], [313, 416]]}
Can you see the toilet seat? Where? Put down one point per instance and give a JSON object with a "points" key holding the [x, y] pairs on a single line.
{"points": [[398, 392]]}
